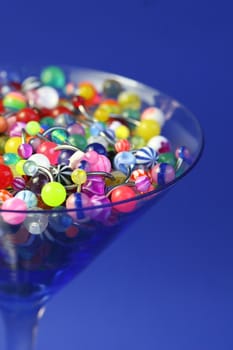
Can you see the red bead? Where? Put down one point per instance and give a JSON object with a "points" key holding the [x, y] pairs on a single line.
{"points": [[16, 85], [2, 109], [55, 112], [123, 193], [6, 177], [27, 115], [78, 101], [122, 146], [47, 149]]}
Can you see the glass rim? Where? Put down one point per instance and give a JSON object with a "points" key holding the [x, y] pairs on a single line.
{"points": [[139, 197]]}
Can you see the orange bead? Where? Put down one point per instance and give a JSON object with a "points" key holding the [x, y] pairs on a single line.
{"points": [[3, 124]]}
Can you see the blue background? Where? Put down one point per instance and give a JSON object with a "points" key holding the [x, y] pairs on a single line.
{"points": [[170, 287]]}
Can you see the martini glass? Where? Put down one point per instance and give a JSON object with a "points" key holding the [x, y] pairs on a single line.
{"points": [[46, 251]]}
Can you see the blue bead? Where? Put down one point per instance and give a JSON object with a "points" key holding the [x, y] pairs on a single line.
{"points": [[96, 128], [28, 197], [124, 161], [147, 157], [59, 222], [97, 147]]}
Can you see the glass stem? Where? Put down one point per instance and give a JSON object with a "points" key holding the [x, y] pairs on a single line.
{"points": [[21, 323]]}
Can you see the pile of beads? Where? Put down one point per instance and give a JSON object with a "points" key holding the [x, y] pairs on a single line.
{"points": [[68, 145]]}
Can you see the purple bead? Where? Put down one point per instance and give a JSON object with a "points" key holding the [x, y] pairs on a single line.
{"points": [[16, 129], [100, 214], [76, 129], [143, 183], [64, 157], [25, 151], [18, 183], [35, 142], [95, 185], [37, 182]]}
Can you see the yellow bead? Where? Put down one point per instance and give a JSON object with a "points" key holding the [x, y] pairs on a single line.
{"points": [[122, 132], [19, 167], [12, 144], [101, 114], [147, 129], [129, 100], [79, 176], [87, 91], [111, 108]]}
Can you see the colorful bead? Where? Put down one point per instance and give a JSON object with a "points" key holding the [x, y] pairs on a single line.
{"points": [[47, 148], [147, 129], [28, 197], [40, 160], [123, 193], [4, 195], [53, 76], [129, 100], [146, 156], [32, 128], [124, 161], [97, 147], [6, 177], [18, 183], [14, 101], [46, 97], [162, 173], [36, 223], [79, 177], [78, 201], [184, 154], [159, 144], [142, 184], [12, 144], [122, 146], [14, 217], [53, 194], [25, 150], [111, 88], [122, 132]]}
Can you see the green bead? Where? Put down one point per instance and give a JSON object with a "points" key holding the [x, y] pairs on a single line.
{"points": [[59, 136], [168, 158], [11, 158], [78, 141], [53, 76], [32, 128], [53, 194], [47, 121], [130, 113], [137, 142]]}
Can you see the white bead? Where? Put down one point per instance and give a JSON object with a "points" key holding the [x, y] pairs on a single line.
{"points": [[47, 97], [157, 141]]}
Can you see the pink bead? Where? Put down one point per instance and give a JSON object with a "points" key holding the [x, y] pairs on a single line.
{"points": [[163, 173], [78, 201], [14, 217], [91, 157], [103, 164]]}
